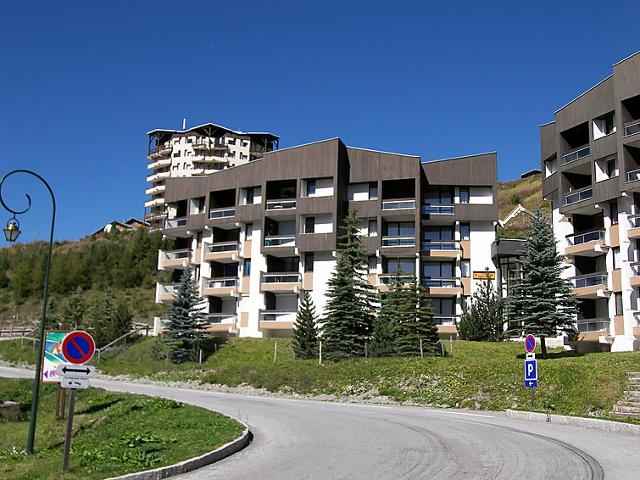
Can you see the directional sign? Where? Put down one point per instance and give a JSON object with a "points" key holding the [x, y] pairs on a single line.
{"points": [[78, 347], [530, 343], [75, 371], [75, 383], [531, 383]]}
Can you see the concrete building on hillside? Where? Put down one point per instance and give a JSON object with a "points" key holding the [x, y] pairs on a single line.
{"points": [[260, 233], [591, 165], [200, 150]]}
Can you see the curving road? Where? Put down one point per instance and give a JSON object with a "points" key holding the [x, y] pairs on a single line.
{"points": [[301, 439]]}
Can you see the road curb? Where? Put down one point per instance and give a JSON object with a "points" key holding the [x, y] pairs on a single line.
{"points": [[193, 463], [595, 423]]}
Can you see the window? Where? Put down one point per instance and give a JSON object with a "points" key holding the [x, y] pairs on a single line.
{"points": [[465, 231], [245, 143], [232, 154], [613, 212], [189, 140], [311, 188], [443, 307], [309, 224], [615, 252], [438, 270], [251, 193], [437, 233], [246, 268], [231, 141], [248, 233], [618, 300], [243, 156], [308, 262], [465, 268], [177, 154], [373, 228], [372, 264], [401, 265], [464, 194], [401, 229], [373, 190], [612, 168], [438, 196]]}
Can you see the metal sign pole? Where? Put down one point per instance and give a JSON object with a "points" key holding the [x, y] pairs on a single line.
{"points": [[67, 439]]}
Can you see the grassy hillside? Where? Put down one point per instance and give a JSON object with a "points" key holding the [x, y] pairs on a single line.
{"points": [[525, 191], [476, 376]]}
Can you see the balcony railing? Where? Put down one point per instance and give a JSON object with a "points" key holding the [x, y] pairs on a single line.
{"points": [[222, 212], [391, 278], [175, 222], [398, 204], [438, 209], [221, 282], [447, 320], [220, 247], [634, 220], [593, 325], [283, 204], [168, 289], [277, 316], [428, 245], [631, 127], [223, 318], [441, 282], [398, 241], [181, 254], [204, 145], [281, 277], [586, 237], [578, 195], [633, 175], [589, 280], [635, 268], [280, 241], [578, 153]]}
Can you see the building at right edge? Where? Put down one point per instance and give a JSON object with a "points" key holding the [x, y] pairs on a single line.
{"points": [[591, 167]]}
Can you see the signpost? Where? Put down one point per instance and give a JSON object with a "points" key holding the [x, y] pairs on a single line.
{"points": [[531, 366], [77, 348]]}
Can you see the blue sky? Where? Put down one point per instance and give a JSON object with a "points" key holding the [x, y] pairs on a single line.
{"points": [[83, 81]]}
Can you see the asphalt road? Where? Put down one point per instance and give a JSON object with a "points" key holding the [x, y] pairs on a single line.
{"points": [[300, 439]]}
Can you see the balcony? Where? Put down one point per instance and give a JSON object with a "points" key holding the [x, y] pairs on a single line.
{"points": [[397, 241], [588, 244], [593, 325], [634, 280], [578, 195], [225, 212], [280, 241], [592, 285], [175, 222], [391, 278], [153, 203], [280, 282], [157, 177], [282, 204], [446, 320], [222, 252], [159, 151], [155, 190], [172, 259], [577, 154], [631, 128], [221, 322], [444, 286], [438, 209], [220, 287], [633, 175], [405, 204], [277, 320], [204, 146], [166, 293], [159, 164], [441, 248]]}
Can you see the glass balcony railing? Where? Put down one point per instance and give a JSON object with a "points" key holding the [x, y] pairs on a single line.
{"points": [[428, 245], [578, 196], [285, 204], [391, 278], [222, 212], [593, 325], [446, 320], [281, 277], [632, 127], [224, 318], [221, 282], [181, 254], [398, 241], [277, 316], [581, 238], [589, 280], [576, 154], [221, 247], [438, 209], [634, 220], [441, 282], [633, 175], [398, 204], [175, 222], [280, 241]]}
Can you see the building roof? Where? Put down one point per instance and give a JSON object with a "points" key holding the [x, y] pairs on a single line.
{"points": [[204, 125]]}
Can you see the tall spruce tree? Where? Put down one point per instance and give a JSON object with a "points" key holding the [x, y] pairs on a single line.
{"points": [[74, 312], [414, 323], [185, 326], [384, 333], [484, 321], [350, 298], [101, 318], [543, 301], [305, 331]]}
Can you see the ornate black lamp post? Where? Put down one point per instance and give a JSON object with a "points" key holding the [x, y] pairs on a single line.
{"points": [[11, 233]]}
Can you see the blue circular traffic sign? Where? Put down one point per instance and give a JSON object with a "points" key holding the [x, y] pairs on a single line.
{"points": [[78, 347], [530, 343]]}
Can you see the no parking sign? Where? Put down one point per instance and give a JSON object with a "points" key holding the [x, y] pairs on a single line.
{"points": [[78, 347]]}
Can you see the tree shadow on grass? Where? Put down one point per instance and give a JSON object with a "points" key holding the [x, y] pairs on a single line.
{"points": [[99, 406]]}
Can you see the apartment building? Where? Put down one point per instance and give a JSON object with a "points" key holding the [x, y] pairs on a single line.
{"points": [[200, 150], [591, 165], [259, 234]]}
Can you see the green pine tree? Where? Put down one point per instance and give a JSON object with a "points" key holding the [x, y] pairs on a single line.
{"points": [[484, 321], [101, 318], [543, 301], [391, 302], [185, 326], [122, 321], [414, 323], [74, 312], [305, 331], [350, 298]]}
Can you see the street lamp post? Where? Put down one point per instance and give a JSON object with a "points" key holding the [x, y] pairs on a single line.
{"points": [[11, 232]]}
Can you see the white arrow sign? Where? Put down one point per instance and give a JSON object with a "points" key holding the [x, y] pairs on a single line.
{"points": [[75, 383], [75, 371]]}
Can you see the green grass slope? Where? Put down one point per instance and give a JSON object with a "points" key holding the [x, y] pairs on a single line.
{"points": [[525, 191]]}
